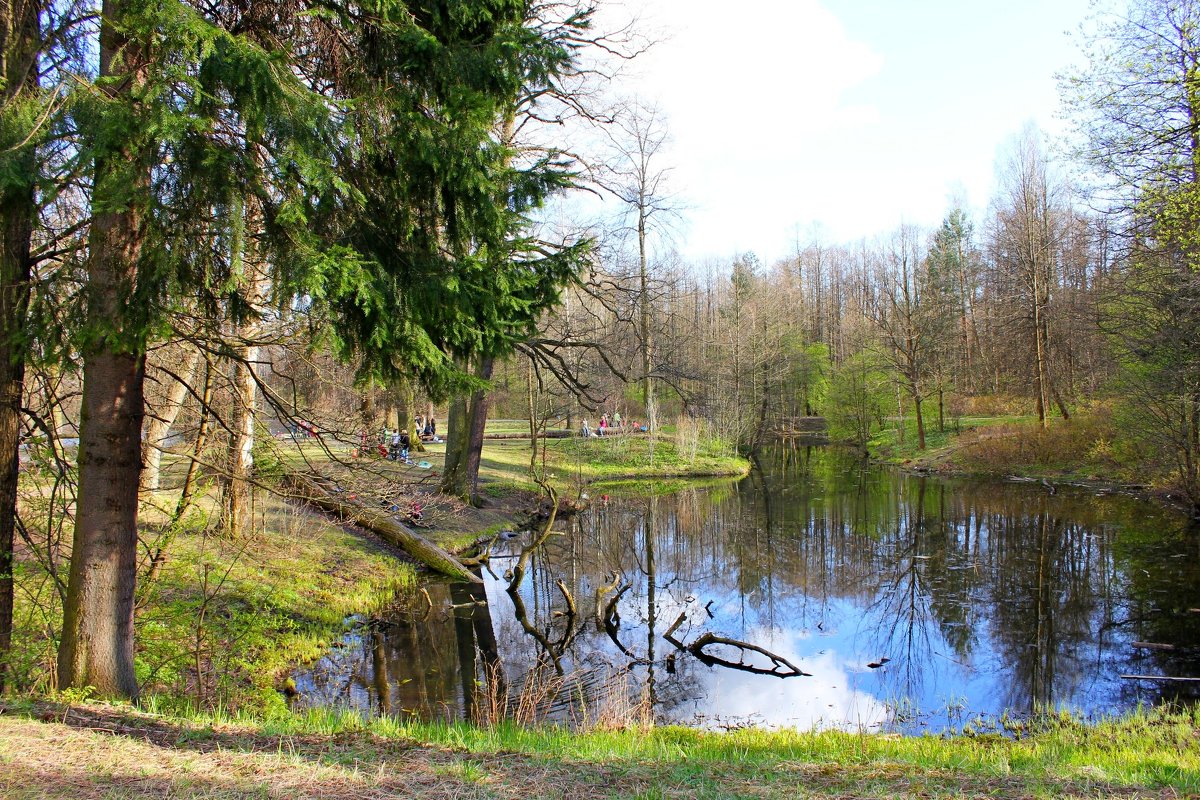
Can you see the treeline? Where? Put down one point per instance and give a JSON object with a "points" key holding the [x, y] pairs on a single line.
{"points": [[918, 323], [1068, 294]]}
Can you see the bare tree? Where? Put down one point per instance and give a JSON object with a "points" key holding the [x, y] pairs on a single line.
{"points": [[909, 316], [1028, 235], [638, 180]]}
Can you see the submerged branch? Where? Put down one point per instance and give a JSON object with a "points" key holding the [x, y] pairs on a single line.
{"points": [[782, 667]]}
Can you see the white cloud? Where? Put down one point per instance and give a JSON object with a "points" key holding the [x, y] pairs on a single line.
{"points": [[858, 114], [744, 92]]}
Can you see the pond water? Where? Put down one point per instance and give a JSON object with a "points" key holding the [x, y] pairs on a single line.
{"points": [[909, 604]]}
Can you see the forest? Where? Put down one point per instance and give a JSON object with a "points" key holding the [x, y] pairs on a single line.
{"points": [[241, 236]]}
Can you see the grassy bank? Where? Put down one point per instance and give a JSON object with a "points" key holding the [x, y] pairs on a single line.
{"points": [[1091, 447], [570, 464], [225, 620], [575, 462], [116, 753]]}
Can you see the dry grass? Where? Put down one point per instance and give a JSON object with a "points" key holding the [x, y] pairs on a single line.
{"points": [[595, 701], [98, 754], [1082, 445], [107, 752]]}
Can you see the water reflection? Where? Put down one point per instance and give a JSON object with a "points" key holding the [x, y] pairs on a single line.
{"points": [[910, 602]]}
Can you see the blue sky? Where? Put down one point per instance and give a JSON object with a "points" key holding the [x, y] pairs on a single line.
{"points": [[843, 118]]}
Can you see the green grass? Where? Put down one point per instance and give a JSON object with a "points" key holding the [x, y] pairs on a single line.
{"points": [[273, 598], [341, 754], [581, 461], [279, 596], [504, 467]]}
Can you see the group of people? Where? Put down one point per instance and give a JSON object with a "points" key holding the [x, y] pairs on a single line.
{"points": [[395, 445], [398, 446], [606, 425], [426, 428]]}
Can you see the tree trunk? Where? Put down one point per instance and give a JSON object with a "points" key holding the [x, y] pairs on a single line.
{"points": [[236, 487], [407, 416], [239, 464], [920, 420], [18, 210], [17, 215], [97, 639], [648, 399], [1040, 355], [454, 468], [417, 546], [367, 413], [158, 424], [1058, 401], [18, 50], [476, 422]]}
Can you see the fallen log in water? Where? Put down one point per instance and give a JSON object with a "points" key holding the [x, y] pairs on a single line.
{"points": [[1170, 678], [417, 546]]}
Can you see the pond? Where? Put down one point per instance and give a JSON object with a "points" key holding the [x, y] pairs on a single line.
{"points": [[817, 592]]}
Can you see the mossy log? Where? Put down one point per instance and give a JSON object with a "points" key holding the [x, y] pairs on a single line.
{"points": [[396, 533]]}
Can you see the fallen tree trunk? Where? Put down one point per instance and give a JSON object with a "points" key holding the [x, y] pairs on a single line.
{"points": [[417, 546], [554, 433]]}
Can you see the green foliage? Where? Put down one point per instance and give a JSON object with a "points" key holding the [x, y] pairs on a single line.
{"points": [[857, 396], [809, 376], [390, 212], [447, 268]]}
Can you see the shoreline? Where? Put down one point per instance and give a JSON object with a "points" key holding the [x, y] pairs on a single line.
{"points": [[1072, 469]]}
